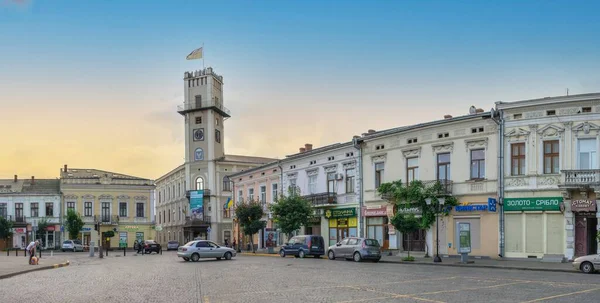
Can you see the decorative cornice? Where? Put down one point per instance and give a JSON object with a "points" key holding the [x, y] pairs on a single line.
{"points": [[379, 157], [292, 175], [123, 197], [312, 171], [550, 131], [476, 143], [330, 168], [411, 152], [349, 164], [105, 197], [70, 197], [518, 132], [442, 147], [140, 198], [586, 128], [88, 197]]}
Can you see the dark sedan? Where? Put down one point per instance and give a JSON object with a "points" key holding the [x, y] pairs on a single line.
{"points": [[151, 246]]}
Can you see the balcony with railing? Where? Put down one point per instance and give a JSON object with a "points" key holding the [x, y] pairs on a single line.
{"points": [[202, 221], [227, 213], [216, 105], [322, 199], [580, 178], [107, 219]]}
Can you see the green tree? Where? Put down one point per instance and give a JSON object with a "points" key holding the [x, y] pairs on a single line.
{"points": [[291, 212], [73, 223], [5, 229], [416, 194], [406, 224], [249, 216]]}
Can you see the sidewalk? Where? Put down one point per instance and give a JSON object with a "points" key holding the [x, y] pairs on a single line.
{"points": [[455, 262], [12, 265], [486, 263]]}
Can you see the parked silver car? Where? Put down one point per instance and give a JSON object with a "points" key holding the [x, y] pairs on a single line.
{"points": [[172, 245], [72, 245], [195, 250], [587, 264], [357, 249]]}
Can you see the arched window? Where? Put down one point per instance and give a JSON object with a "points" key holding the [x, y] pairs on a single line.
{"points": [[226, 184], [199, 183]]}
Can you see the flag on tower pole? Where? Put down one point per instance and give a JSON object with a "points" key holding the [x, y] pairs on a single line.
{"points": [[196, 54]]}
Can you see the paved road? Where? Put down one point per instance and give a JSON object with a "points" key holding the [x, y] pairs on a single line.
{"points": [[157, 278]]}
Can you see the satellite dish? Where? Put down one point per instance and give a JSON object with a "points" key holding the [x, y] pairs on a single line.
{"points": [[472, 110]]}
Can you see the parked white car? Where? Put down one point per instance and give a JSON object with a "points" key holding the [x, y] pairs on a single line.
{"points": [[204, 249], [72, 245], [587, 264]]}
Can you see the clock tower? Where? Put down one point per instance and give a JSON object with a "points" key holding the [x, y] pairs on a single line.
{"points": [[204, 115]]}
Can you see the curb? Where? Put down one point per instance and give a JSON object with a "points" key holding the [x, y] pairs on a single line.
{"points": [[6, 276], [481, 266]]}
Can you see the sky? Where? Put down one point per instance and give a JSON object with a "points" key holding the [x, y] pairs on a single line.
{"points": [[96, 84]]}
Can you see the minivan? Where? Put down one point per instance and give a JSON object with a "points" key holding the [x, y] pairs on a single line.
{"points": [[301, 246]]}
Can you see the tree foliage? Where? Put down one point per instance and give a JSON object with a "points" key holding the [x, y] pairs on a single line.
{"points": [[250, 216], [415, 195], [73, 224], [291, 212], [42, 226], [406, 224], [5, 229]]}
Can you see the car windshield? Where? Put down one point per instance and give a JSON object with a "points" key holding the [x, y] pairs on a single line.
{"points": [[67, 242], [150, 241], [77, 242], [371, 242], [173, 242]]}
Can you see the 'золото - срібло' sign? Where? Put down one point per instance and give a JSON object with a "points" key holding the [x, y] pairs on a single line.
{"points": [[532, 204]]}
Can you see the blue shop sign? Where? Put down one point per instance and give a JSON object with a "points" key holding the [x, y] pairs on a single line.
{"points": [[86, 229], [492, 204], [475, 207]]}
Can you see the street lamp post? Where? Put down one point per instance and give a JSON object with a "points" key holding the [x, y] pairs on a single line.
{"points": [[438, 209]]}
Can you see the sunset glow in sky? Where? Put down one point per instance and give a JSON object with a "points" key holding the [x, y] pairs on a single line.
{"points": [[96, 84]]}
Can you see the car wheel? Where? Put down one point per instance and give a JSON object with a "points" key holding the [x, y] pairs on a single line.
{"points": [[587, 267], [357, 257], [282, 253], [331, 255], [227, 256], [195, 257], [376, 260], [218, 258], [301, 254], [186, 259]]}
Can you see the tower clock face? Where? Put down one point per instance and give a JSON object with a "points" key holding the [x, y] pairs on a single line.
{"points": [[199, 134]]}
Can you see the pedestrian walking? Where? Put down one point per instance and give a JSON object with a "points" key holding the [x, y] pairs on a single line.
{"points": [[226, 242], [233, 244], [31, 249]]}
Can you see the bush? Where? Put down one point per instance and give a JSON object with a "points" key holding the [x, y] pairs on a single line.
{"points": [[408, 259]]}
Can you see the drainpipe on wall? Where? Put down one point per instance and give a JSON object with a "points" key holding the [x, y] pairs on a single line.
{"points": [[357, 142]]}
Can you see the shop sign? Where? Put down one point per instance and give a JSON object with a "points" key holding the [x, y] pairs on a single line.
{"points": [[375, 212], [471, 207], [391, 229], [129, 228], [50, 228], [340, 213], [532, 204], [86, 229], [19, 230], [583, 205], [409, 210], [492, 204]]}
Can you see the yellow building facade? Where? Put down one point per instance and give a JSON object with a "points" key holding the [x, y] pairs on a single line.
{"points": [[114, 202]]}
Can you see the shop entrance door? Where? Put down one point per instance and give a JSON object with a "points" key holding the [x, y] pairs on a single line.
{"points": [[591, 236], [415, 239], [342, 233], [581, 243]]}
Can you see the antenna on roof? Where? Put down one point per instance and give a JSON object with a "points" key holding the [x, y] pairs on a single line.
{"points": [[567, 91]]}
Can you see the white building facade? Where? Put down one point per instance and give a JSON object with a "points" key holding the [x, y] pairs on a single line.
{"points": [[461, 154], [552, 176], [328, 177], [28, 202]]}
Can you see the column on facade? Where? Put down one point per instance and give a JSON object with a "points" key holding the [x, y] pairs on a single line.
{"points": [[569, 225]]}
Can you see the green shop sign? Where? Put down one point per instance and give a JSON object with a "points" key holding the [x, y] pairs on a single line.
{"points": [[532, 204], [340, 213]]}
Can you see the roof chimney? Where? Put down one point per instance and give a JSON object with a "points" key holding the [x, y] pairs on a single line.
{"points": [[15, 178], [308, 147], [302, 149], [356, 137], [447, 116], [32, 180], [479, 110], [370, 131], [65, 168]]}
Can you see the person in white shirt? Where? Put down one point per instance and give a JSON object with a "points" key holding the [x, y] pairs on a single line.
{"points": [[31, 249]]}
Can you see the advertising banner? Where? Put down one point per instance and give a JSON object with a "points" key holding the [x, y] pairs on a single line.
{"points": [[532, 204], [197, 204]]}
